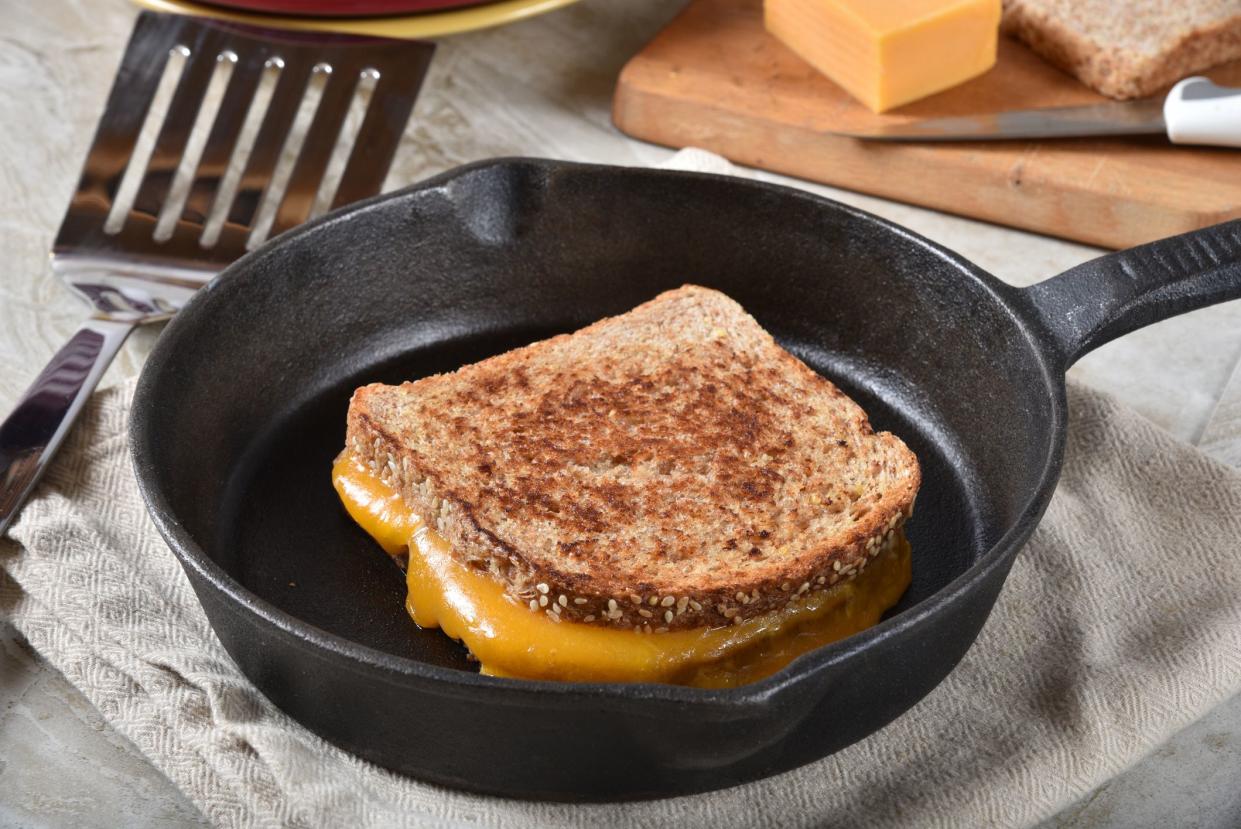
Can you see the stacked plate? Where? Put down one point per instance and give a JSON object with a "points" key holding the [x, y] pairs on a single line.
{"points": [[379, 18]]}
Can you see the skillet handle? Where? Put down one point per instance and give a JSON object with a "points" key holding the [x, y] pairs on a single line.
{"points": [[1102, 299]]}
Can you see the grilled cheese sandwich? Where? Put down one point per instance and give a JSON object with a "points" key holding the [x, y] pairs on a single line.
{"points": [[516, 594]]}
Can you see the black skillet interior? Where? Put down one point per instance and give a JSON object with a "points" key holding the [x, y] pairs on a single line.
{"points": [[257, 373], [503, 272], [285, 537]]}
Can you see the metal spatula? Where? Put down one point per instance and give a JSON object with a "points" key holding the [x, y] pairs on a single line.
{"points": [[143, 232]]}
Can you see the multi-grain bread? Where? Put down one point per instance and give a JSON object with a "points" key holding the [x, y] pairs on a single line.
{"points": [[671, 467], [1130, 49]]}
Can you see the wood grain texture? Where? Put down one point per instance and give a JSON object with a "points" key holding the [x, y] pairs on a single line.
{"points": [[715, 79]]}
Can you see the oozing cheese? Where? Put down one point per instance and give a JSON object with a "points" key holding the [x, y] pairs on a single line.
{"points": [[510, 640], [887, 53]]}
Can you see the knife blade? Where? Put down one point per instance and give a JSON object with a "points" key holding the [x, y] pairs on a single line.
{"points": [[1196, 111]]}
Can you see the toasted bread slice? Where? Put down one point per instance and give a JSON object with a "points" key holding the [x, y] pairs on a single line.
{"points": [[1128, 50], [668, 467]]}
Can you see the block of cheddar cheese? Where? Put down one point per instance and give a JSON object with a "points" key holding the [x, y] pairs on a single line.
{"points": [[887, 53]]}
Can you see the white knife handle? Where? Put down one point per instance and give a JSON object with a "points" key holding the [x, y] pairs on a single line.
{"points": [[1199, 112]]}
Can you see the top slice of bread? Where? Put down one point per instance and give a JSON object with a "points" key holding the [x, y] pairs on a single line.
{"points": [[671, 467], [1131, 49]]}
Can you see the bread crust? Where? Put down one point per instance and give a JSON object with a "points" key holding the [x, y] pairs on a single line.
{"points": [[1129, 52], [668, 468]]}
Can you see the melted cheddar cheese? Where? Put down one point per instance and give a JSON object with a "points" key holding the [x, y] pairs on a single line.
{"points": [[508, 639]]}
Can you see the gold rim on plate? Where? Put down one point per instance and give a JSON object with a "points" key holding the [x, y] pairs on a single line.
{"points": [[427, 24]]}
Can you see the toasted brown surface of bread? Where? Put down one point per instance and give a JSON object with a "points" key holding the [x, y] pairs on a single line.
{"points": [[1132, 49], [668, 467]]}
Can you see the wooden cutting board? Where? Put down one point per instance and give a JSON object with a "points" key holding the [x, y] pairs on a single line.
{"points": [[715, 79]]}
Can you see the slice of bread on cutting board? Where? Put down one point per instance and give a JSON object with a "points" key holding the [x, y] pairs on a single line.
{"points": [[1131, 49]]}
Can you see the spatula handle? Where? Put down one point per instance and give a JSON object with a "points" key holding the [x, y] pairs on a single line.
{"points": [[30, 436], [1198, 111]]}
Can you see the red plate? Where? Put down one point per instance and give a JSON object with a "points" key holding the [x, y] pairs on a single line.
{"points": [[344, 8]]}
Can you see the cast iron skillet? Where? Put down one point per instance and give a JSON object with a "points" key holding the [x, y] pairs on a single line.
{"points": [[241, 409]]}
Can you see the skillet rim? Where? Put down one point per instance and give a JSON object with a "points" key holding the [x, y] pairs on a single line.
{"points": [[399, 670]]}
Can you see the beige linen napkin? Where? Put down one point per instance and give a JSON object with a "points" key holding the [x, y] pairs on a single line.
{"points": [[1222, 436], [1120, 624]]}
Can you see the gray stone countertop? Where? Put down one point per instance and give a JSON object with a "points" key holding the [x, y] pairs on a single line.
{"points": [[542, 88]]}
